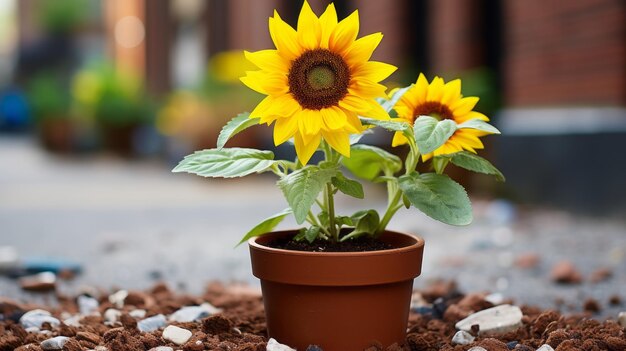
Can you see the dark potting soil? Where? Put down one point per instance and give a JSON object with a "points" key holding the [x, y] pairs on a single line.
{"points": [[354, 245], [241, 324]]}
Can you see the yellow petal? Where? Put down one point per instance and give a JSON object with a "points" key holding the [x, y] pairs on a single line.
{"points": [[345, 33], [305, 150], [464, 106], [354, 103], [471, 115], [265, 83], [328, 22], [417, 94], [374, 71], [339, 141], [452, 92], [259, 110], [398, 139], [268, 60], [284, 37], [404, 111], [334, 118], [376, 111], [367, 89], [362, 49], [468, 139], [309, 31], [284, 129], [310, 122], [435, 90], [283, 106]]}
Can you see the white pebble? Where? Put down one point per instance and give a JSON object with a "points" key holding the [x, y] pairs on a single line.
{"points": [[111, 316], [151, 324], [118, 298], [73, 321], [193, 313], [462, 338], [621, 317], [545, 347], [138, 313], [477, 348], [37, 317], [495, 320], [87, 305], [54, 343], [495, 298], [161, 348], [273, 345], [176, 335]]}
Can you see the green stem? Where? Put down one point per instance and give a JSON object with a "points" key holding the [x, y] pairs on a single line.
{"points": [[331, 212], [392, 207]]}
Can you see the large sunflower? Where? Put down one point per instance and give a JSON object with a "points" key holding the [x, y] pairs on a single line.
{"points": [[442, 101], [318, 80]]}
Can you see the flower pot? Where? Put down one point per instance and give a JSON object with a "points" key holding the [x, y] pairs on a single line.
{"points": [[340, 301]]}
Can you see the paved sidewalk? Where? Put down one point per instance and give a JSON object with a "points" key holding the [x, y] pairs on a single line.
{"points": [[132, 223]]}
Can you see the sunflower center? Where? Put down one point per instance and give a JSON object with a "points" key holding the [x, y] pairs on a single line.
{"points": [[434, 109], [319, 79]]}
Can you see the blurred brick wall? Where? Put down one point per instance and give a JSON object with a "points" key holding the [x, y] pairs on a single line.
{"points": [[565, 52]]}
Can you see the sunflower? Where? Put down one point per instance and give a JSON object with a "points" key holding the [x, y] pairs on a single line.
{"points": [[318, 81], [442, 101]]}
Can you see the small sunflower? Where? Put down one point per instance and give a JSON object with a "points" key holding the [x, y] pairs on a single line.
{"points": [[318, 81], [442, 101]]}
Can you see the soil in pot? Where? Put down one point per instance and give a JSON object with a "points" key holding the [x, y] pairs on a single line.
{"points": [[356, 245]]}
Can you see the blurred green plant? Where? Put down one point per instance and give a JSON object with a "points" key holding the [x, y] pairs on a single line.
{"points": [[110, 97], [48, 98], [61, 16]]}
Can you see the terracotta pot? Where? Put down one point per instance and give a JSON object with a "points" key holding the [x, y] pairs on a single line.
{"points": [[340, 301]]}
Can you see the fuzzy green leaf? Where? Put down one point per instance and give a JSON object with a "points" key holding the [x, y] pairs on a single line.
{"points": [[234, 126], [388, 104], [266, 226], [312, 233], [348, 186], [440, 163], [226, 163], [394, 125], [437, 196], [367, 161], [365, 223], [479, 125], [430, 133], [302, 187], [475, 163]]}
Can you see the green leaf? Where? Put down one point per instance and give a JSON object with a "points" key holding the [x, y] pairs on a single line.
{"points": [[234, 126], [475, 163], [266, 226], [348, 186], [302, 187], [355, 138], [312, 233], [430, 133], [479, 125], [388, 104], [226, 163], [437, 196], [366, 223], [396, 125], [440, 163], [367, 161]]}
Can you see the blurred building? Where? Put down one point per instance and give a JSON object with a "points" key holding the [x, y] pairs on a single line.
{"points": [[552, 74]]}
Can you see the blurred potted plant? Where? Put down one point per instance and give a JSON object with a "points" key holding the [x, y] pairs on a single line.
{"points": [[50, 105], [344, 282], [117, 103]]}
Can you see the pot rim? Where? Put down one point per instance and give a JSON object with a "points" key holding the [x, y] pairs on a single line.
{"points": [[418, 242]]}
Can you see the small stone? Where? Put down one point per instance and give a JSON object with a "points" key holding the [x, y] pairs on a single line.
{"points": [[273, 345], [495, 320], [527, 260], [56, 343], [118, 298], [73, 321], [545, 347], [591, 305], [176, 335], [495, 299], [621, 317], [511, 344], [161, 348], [314, 348], [44, 281], [87, 305], [477, 348], [566, 273], [138, 313], [615, 300], [600, 275], [36, 318], [32, 330], [101, 348], [462, 338], [424, 310], [111, 316], [9, 257], [193, 313], [151, 324]]}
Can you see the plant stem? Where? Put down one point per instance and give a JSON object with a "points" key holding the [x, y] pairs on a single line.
{"points": [[331, 212], [392, 207]]}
